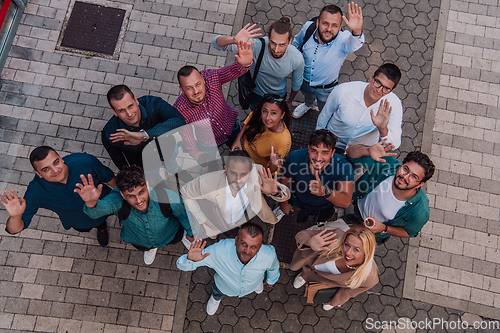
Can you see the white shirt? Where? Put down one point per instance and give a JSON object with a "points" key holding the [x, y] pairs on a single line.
{"points": [[235, 206], [328, 267], [346, 115], [381, 202]]}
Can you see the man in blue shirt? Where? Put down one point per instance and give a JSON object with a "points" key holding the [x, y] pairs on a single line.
{"points": [[150, 220], [325, 51], [240, 264], [318, 179], [53, 188], [135, 123]]}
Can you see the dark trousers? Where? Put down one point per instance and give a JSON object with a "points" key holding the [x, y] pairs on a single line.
{"points": [[100, 227], [177, 239]]}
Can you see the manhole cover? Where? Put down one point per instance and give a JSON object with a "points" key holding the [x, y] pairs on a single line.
{"points": [[94, 29]]}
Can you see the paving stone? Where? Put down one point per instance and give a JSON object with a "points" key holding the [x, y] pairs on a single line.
{"points": [[262, 301], [128, 318], [16, 305], [291, 323]]}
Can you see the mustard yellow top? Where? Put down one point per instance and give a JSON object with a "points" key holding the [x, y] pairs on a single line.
{"points": [[260, 148]]}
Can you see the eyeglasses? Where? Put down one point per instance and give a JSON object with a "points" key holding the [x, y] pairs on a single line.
{"points": [[273, 97], [377, 84]]}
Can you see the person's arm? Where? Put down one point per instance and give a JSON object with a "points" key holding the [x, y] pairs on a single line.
{"points": [[15, 206], [355, 20], [341, 196], [273, 273], [390, 127], [179, 211], [376, 151], [112, 183], [285, 206], [197, 256], [114, 152], [167, 116], [297, 40], [297, 79], [95, 207], [248, 32], [244, 59]]}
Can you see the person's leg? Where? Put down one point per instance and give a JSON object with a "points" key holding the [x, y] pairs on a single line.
{"points": [[326, 214], [178, 235], [322, 96], [102, 233], [149, 253], [309, 94], [214, 301]]}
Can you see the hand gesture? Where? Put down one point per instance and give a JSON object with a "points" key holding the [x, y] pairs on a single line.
{"points": [[246, 33], [286, 207], [383, 116], [269, 182], [236, 145], [14, 205], [129, 138], [315, 185], [195, 252], [380, 149], [87, 191], [355, 21], [377, 227], [276, 159], [245, 54], [320, 242]]}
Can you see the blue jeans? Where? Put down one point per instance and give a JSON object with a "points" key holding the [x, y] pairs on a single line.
{"points": [[254, 99], [216, 293], [311, 94]]}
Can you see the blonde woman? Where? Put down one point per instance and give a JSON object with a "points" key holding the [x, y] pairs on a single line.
{"points": [[335, 259]]}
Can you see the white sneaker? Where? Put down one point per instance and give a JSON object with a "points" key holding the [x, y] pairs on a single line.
{"points": [[327, 307], [260, 288], [212, 306], [300, 110], [299, 281], [149, 256], [186, 241], [279, 213]]}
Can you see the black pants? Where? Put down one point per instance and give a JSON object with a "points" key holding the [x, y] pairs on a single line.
{"points": [[177, 239], [100, 227]]}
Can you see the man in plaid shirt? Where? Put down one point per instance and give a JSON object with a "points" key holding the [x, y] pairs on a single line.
{"points": [[203, 102]]}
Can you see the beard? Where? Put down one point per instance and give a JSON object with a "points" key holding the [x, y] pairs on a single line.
{"points": [[324, 39]]}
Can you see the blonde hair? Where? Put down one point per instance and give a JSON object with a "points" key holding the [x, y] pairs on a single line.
{"points": [[336, 251]]}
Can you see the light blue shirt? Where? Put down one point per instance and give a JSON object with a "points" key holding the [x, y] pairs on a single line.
{"points": [[323, 61], [273, 71], [231, 276]]}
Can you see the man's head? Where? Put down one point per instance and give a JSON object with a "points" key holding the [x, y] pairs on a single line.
{"points": [[192, 84], [124, 105], [238, 166], [329, 23], [133, 187], [248, 242], [416, 169], [383, 81], [321, 148], [49, 165], [280, 36]]}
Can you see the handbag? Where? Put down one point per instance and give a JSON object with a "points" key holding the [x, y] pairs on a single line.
{"points": [[325, 295], [246, 83]]}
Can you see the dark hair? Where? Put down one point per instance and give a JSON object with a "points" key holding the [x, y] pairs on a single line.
{"points": [[332, 9], [238, 156], [129, 178], [185, 71], [391, 71], [252, 229], [323, 136], [424, 161], [117, 93], [256, 126], [39, 154], [282, 26]]}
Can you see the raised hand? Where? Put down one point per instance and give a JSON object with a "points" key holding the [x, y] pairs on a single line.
{"points": [[245, 54], [382, 118], [129, 138], [377, 227], [381, 149], [315, 185], [195, 252], [269, 181], [320, 242], [87, 190], [276, 159], [355, 21], [14, 204], [246, 33]]}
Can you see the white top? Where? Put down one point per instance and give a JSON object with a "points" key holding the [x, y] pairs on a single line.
{"points": [[346, 115], [381, 202], [328, 267], [235, 206]]}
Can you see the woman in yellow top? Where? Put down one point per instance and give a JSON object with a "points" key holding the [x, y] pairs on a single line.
{"points": [[267, 139]]}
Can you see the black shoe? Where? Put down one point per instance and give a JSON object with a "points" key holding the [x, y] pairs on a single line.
{"points": [[381, 241], [102, 236]]}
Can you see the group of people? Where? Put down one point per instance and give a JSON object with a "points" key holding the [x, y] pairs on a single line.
{"points": [[358, 125]]}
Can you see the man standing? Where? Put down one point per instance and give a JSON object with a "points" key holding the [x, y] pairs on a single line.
{"points": [[53, 188], [349, 110], [278, 60], [390, 191], [150, 220], [202, 100], [318, 179], [325, 48], [240, 264], [134, 124]]}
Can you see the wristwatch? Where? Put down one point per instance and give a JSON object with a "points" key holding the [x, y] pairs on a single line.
{"points": [[385, 230], [144, 135], [328, 192]]}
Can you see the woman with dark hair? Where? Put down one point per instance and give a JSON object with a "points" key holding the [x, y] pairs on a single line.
{"points": [[266, 134]]}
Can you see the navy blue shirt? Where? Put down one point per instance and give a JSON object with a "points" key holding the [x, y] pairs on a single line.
{"points": [[157, 118], [61, 198], [297, 168]]}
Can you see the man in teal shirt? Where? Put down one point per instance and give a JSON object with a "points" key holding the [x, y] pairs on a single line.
{"points": [[146, 224]]}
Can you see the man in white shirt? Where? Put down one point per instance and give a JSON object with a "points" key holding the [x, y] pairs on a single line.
{"points": [[349, 112]]}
